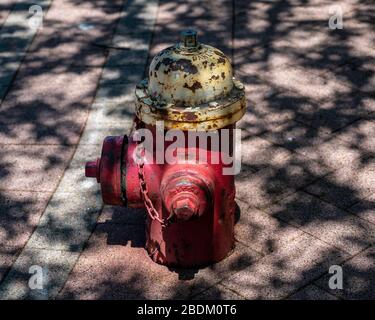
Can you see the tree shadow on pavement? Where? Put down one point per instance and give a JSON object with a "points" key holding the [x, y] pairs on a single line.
{"points": [[311, 107]]}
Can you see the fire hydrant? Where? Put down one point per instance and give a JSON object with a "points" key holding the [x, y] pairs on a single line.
{"points": [[190, 204]]}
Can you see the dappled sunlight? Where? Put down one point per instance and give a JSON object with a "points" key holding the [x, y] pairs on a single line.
{"points": [[306, 191]]}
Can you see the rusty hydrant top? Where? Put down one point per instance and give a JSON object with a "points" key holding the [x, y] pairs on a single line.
{"points": [[190, 86], [190, 73]]}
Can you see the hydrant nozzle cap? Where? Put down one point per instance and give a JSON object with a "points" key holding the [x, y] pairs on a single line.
{"points": [[92, 169], [185, 207]]}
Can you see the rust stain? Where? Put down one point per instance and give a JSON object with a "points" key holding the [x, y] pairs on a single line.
{"points": [[196, 85], [190, 116], [214, 77], [184, 65], [221, 60]]}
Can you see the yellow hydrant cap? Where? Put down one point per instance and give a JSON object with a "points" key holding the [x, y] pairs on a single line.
{"points": [[190, 73], [190, 87]]}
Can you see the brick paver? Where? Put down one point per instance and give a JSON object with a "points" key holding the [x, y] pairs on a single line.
{"points": [[305, 194]]}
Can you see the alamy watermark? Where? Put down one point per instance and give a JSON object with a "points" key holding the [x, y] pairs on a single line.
{"points": [[38, 278], [36, 20], [198, 147], [336, 20], [335, 281]]}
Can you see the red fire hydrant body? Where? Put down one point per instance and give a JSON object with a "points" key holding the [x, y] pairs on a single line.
{"points": [[187, 188]]}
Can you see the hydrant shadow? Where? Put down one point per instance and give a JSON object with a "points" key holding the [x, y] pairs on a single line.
{"points": [[124, 226], [185, 274], [237, 213]]}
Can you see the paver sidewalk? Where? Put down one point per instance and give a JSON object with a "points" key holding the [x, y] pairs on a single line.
{"points": [[306, 191], [50, 78]]}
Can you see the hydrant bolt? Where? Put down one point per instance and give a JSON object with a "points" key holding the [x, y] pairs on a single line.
{"points": [[185, 207]]}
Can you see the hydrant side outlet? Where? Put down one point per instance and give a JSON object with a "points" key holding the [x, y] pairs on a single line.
{"points": [[190, 204]]}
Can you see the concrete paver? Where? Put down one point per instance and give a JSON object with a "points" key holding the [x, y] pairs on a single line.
{"points": [[347, 185], [335, 115], [73, 180], [333, 151], [360, 135], [365, 209], [326, 222], [218, 292], [56, 49], [36, 168], [7, 256], [41, 121], [3, 90], [77, 38], [118, 262], [307, 83], [47, 106], [258, 154], [358, 277], [126, 74], [279, 274], [112, 110], [96, 137], [312, 292], [136, 55], [55, 264], [16, 34], [262, 232], [67, 222], [269, 173], [264, 110], [297, 137], [133, 34], [6, 7], [20, 214]]}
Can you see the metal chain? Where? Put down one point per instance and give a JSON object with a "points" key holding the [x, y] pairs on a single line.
{"points": [[152, 212]]}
